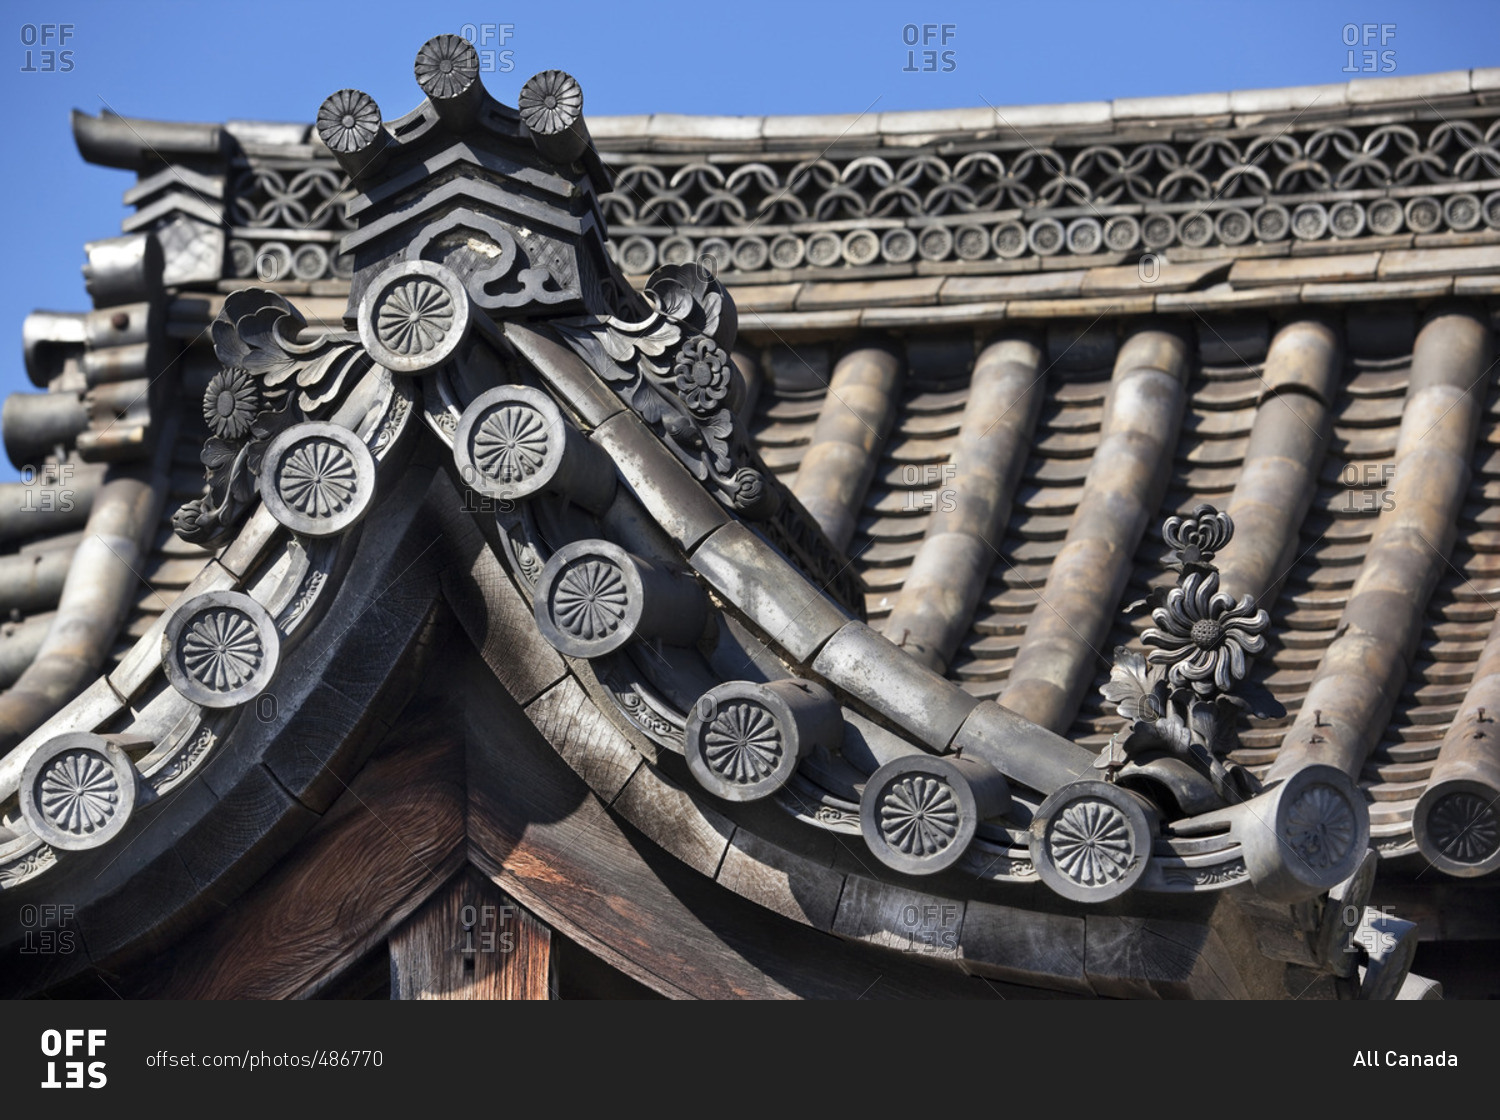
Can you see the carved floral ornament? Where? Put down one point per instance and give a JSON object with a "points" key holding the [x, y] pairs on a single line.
{"points": [[317, 478], [744, 740], [1203, 635], [703, 373], [270, 382], [1463, 825], [220, 649], [1310, 832], [1179, 699], [672, 367], [78, 791], [550, 102], [446, 66], [348, 120], [742, 743], [512, 442], [1091, 841], [231, 403], [919, 816], [1321, 827], [510, 445], [589, 599], [414, 316], [919, 813]]}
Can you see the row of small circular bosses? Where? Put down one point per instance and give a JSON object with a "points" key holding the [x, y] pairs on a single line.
{"points": [[272, 262], [1228, 226], [316, 478], [743, 740], [1089, 840], [221, 649]]}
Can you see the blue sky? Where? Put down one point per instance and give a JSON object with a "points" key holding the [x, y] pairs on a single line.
{"points": [[277, 60]]}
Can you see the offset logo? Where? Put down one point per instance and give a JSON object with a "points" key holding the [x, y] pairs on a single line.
{"points": [[489, 41], [48, 488], [932, 58], [1371, 61], [74, 1072], [45, 929], [44, 53]]}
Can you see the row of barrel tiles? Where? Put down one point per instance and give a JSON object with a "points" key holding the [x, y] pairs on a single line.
{"points": [[1210, 450]]}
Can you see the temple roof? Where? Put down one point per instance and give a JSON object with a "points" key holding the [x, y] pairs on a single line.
{"points": [[989, 365]]}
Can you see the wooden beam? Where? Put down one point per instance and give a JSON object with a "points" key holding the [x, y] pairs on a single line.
{"points": [[393, 838], [471, 940]]}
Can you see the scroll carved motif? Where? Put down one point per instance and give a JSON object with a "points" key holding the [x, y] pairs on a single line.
{"points": [[184, 760], [271, 380], [306, 596], [33, 863], [672, 367], [646, 711], [1209, 877]]}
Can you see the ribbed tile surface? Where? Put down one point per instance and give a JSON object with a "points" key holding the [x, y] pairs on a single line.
{"points": [[1352, 486]]}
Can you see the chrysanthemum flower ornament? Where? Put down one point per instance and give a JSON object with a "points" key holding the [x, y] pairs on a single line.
{"points": [[1179, 699], [1202, 635]]}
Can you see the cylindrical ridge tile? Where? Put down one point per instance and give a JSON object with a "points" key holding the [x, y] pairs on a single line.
{"points": [[1350, 700], [840, 460], [935, 606], [1065, 636]]}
